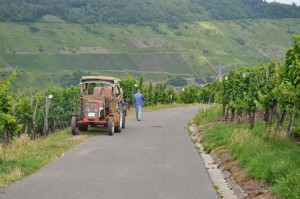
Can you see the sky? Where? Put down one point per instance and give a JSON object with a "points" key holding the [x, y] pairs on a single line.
{"points": [[297, 2]]}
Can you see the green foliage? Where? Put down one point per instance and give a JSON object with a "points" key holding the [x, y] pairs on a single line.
{"points": [[178, 81], [265, 86], [288, 186], [266, 95], [149, 94], [140, 84], [129, 87], [173, 25], [240, 40], [289, 89], [33, 29], [24, 113], [190, 94], [271, 158], [73, 80], [160, 95], [208, 115], [210, 92], [62, 106], [172, 95], [8, 120]]}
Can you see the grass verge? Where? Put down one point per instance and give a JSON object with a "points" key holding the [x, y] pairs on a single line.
{"points": [[24, 156], [265, 155]]}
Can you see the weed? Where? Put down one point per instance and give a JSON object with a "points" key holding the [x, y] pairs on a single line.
{"points": [[1, 152], [215, 187]]}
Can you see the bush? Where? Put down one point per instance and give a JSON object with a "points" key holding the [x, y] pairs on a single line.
{"points": [[178, 81], [190, 94], [33, 29], [173, 25]]}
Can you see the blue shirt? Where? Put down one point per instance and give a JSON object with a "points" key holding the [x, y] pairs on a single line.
{"points": [[138, 99]]}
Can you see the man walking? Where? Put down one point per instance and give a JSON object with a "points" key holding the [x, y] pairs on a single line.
{"points": [[138, 101]]}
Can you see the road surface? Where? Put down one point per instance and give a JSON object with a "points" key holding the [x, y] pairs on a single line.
{"points": [[150, 159]]}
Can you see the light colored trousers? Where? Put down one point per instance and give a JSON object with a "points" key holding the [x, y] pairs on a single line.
{"points": [[138, 111]]}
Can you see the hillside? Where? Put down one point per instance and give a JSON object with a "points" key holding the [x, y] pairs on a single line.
{"points": [[55, 52], [143, 12]]}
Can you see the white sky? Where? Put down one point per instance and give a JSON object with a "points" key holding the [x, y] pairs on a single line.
{"points": [[297, 2]]}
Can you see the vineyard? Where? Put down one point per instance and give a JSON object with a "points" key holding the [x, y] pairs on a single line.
{"points": [[273, 88], [34, 114], [265, 152], [39, 113]]}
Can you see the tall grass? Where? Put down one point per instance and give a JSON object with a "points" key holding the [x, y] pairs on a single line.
{"points": [[208, 115], [266, 155]]}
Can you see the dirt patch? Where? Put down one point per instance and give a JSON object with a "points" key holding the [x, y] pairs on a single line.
{"points": [[138, 43], [85, 50], [253, 188], [24, 52], [150, 42]]}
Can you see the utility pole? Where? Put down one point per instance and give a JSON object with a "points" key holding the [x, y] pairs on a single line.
{"points": [[220, 72]]}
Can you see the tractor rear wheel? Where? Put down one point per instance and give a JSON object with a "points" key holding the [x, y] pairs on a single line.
{"points": [[111, 125], [74, 126]]}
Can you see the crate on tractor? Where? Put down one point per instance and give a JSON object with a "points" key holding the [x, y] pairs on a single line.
{"points": [[101, 103]]}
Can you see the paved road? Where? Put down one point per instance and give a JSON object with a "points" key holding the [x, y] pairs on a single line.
{"points": [[151, 159]]}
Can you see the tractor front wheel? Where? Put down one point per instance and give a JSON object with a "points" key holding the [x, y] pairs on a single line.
{"points": [[124, 119], [118, 128], [111, 125], [74, 126]]}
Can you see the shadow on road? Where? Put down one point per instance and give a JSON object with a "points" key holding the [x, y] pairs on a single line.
{"points": [[95, 131]]}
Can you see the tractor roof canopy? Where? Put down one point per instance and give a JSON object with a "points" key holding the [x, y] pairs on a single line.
{"points": [[99, 79]]}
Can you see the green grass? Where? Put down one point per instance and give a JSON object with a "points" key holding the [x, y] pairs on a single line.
{"points": [[119, 62], [267, 156], [23, 156]]}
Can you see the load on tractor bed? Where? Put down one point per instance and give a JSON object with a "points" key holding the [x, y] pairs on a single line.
{"points": [[101, 103]]}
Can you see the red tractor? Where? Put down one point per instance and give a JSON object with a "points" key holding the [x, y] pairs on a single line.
{"points": [[101, 103]]}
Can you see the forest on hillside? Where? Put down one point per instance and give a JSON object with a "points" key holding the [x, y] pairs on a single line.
{"points": [[142, 12]]}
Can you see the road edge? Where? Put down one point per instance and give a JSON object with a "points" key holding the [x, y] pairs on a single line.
{"points": [[224, 184]]}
